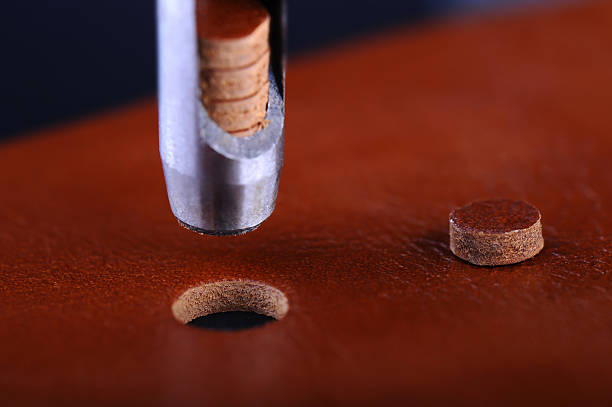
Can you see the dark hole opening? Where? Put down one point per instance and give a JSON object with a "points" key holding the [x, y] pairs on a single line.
{"points": [[231, 321]]}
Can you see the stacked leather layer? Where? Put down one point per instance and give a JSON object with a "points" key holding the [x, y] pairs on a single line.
{"points": [[234, 62]]}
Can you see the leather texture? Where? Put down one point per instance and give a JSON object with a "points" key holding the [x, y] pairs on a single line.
{"points": [[384, 137]]}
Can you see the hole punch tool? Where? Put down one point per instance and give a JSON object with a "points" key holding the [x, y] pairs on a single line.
{"points": [[217, 183]]}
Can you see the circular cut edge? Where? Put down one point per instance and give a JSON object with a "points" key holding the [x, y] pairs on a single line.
{"points": [[234, 232], [230, 295]]}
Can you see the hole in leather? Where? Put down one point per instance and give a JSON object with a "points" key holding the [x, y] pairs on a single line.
{"points": [[230, 305], [230, 321]]}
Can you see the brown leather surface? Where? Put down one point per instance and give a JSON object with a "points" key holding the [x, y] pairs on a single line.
{"points": [[229, 19], [383, 139], [495, 216]]}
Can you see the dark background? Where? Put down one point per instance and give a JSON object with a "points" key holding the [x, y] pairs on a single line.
{"points": [[66, 58]]}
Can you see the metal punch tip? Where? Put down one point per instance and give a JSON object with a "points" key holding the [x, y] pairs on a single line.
{"points": [[217, 184]]}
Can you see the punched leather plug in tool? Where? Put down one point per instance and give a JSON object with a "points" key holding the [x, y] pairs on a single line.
{"points": [[221, 110]]}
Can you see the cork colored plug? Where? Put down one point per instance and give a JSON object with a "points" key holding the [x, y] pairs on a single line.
{"points": [[233, 40], [496, 232]]}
